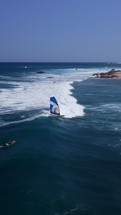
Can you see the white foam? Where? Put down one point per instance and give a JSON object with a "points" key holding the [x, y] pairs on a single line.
{"points": [[36, 95], [36, 92]]}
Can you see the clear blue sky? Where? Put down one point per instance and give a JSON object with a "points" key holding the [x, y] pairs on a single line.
{"points": [[60, 30]]}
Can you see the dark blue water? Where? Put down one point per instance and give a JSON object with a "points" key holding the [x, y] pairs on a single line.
{"points": [[60, 166]]}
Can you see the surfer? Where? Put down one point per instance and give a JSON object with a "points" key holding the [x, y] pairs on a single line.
{"points": [[4, 144]]}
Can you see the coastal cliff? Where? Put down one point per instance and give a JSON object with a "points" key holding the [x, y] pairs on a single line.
{"points": [[110, 74]]}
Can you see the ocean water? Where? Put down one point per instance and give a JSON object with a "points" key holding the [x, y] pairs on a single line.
{"points": [[60, 166]]}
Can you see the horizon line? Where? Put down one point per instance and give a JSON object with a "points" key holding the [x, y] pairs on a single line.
{"points": [[60, 62]]}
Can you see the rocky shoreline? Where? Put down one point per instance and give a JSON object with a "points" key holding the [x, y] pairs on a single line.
{"points": [[110, 74]]}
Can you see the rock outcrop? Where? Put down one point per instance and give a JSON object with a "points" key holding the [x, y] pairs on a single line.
{"points": [[110, 74]]}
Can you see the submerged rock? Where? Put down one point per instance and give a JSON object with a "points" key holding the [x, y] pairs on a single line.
{"points": [[40, 72]]}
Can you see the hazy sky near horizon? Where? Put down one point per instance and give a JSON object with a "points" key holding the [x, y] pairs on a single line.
{"points": [[60, 31]]}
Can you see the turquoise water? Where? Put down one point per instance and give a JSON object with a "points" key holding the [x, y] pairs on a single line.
{"points": [[60, 166]]}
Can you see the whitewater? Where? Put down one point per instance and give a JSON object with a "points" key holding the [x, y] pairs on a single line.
{"points": [[32, 91]]}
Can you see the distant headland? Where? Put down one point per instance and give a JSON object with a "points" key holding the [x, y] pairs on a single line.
{"points": [[110, 74]]}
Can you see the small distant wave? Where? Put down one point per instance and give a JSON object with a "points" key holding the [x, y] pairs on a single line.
{"points": [[115, 107], [79, 209], [4, 77]]}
